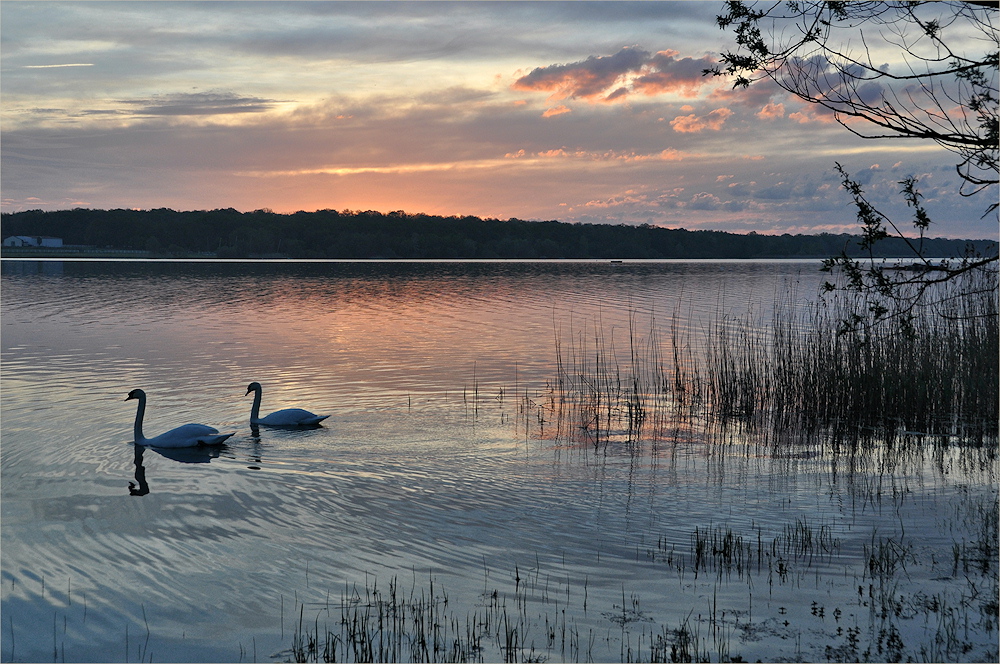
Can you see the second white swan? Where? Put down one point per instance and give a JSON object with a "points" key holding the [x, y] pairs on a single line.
{"points": [[187, 435], [288, 417]]}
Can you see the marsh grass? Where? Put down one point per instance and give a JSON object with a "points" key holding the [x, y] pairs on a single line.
{"points": [[932, 376], [527, 624], [617, 385], [875, 402], [719, 549], [683, 644], [935, 373], [394, 625], [368, 625]]}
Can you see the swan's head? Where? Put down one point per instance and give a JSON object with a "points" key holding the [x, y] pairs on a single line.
{"points": [[253, 387], [135, 394]]}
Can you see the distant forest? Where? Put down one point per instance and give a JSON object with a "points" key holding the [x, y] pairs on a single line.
{"points": [[354, 234]]}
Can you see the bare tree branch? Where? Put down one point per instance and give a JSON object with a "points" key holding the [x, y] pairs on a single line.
{"points": [[946, 94], [943, 88]]}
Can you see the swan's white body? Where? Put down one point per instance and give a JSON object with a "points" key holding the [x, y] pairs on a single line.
{"points": [[289, 417], [187, 435]]}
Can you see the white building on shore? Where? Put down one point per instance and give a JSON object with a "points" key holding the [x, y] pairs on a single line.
{"points": [[32, 241]]}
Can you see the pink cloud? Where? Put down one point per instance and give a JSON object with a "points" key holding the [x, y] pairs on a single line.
{"points": [[692, 124], [813, 113], [556, 110], [671, 154], [614, 77], [587, 79], [772, 111]]}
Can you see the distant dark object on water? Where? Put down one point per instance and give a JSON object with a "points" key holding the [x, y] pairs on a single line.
{"points": [[916, 267]]}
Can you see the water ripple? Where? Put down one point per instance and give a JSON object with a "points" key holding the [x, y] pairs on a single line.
{"points": [[423, 466]]}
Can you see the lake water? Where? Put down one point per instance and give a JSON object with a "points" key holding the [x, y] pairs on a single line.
{"points": [[442, 474]]}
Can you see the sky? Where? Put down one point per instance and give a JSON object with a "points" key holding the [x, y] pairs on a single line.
{"points": [[592, 112]]}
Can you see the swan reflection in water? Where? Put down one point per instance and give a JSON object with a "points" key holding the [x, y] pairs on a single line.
{"points": [[180, 454]]}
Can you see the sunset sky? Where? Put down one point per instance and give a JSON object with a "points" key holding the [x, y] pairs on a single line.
{"points": [[579, 112]]}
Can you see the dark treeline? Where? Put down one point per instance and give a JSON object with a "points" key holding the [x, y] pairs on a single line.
{"points": [[353, 234]]}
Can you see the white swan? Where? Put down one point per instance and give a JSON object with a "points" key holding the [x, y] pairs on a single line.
{"points": [[188, 435], [289, 417]]}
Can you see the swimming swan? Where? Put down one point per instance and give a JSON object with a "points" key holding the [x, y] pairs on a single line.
{"points": [[188, 435], [289, 417]]}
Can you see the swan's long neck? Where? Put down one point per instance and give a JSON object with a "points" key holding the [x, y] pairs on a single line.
{"points": [[139, 413], [255, 409]]}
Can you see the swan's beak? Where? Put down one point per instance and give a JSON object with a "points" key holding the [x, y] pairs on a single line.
{"points": [[129, 397], [248, 392]]}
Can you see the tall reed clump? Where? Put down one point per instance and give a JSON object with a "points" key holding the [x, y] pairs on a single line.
{"points": [[932, 371]]}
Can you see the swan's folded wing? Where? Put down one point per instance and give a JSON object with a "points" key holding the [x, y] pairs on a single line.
{"points": [[217, 439], [188, 435], [292, 417], [193, 430]]}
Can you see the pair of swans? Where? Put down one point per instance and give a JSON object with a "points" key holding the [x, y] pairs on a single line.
{"points": [[194, 435]]}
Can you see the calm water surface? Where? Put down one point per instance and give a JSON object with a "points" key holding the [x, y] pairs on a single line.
{"points": [[433, 468]]}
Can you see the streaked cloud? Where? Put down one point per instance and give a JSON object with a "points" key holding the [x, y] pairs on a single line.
{"points": [[608, 156], [556, 110], [203, 103], [75, 64]]}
